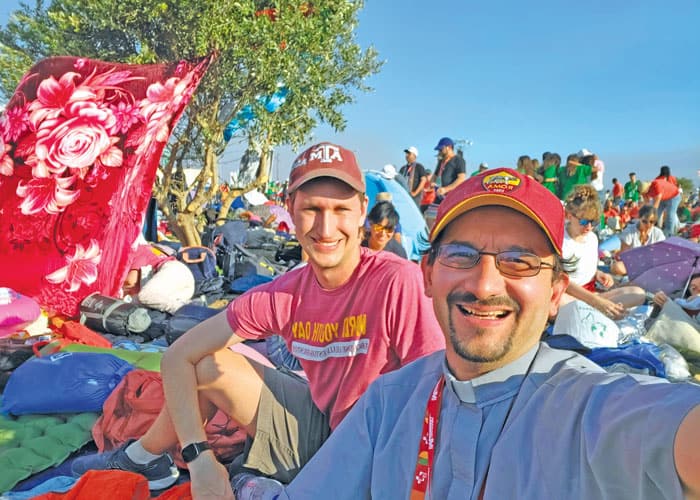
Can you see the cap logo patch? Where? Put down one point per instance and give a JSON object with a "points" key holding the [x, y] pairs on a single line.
{"points": [[500, 182], [325, 153]]}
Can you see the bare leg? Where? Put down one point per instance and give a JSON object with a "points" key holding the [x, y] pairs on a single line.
{"points": [[628, 296], [226, 380]]}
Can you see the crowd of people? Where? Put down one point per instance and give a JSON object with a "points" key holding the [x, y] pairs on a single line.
{"points": [[621, 202], [423, 379]]}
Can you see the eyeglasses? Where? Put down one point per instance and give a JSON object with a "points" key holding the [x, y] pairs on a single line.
{"points": [[378, 228], [647, 221], [585, 222], [513, 263]]}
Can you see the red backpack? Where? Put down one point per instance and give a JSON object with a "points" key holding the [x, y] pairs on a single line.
{"points": [[134, 405]]}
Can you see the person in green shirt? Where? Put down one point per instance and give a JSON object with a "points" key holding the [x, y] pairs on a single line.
{"points": [[684, 214], [573, 174], [548, 171], [632, 188]]}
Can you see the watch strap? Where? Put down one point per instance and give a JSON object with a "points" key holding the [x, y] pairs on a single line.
{"points": [[193, 450]]}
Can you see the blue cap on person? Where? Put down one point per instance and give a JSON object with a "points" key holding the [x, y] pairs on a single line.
{"points": [[445, 141]]}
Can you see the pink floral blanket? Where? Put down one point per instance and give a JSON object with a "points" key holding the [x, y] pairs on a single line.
{"points": [[80, 143]]}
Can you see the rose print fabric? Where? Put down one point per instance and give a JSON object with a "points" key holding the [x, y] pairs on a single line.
{"points": [[80, 142]]}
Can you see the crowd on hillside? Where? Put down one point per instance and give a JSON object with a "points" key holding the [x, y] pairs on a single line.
{"points": [[621, 202]]}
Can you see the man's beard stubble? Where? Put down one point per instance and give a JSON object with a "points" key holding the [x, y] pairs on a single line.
{"points": [[459, 346]]}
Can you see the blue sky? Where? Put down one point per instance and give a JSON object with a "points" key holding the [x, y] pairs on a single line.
{"points": [[619, 78]]}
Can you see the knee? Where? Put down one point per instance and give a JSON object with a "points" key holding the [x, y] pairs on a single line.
{"points": [[208, 369], [617, 268]]}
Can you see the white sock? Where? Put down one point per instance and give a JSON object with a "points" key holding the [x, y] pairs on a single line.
{"points": [[138, 454]]}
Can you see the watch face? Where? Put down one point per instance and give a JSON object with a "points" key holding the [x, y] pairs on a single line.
{"points": [[189, 453]]}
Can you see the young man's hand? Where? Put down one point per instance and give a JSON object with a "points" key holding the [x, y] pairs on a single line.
{"points": [[209, 478]]}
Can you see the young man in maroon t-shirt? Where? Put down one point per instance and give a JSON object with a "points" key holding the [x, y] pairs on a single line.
{"points": [[349, 316]]}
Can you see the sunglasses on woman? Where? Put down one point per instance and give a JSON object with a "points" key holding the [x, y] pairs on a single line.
{"points": [[378, 228], [585, 222]]}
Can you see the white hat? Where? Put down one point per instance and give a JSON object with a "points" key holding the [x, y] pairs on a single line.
{"points": [[583, 153], [412, 149], [389, 171], [483, 164]]}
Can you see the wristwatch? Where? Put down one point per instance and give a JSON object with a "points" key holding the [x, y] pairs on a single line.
{"points": [[193, 450]]}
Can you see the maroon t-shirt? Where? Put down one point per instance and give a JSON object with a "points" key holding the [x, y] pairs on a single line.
{"points": [[344, 338]]}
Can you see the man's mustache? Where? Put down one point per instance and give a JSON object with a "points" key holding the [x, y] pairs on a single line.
{"points": [[469, 298]]}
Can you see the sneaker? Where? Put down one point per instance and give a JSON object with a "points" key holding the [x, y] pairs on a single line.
{"points": [[161, 472]]}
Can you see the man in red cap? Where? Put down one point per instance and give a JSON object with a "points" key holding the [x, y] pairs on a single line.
{"points": [[349, 316], [499, 414]]}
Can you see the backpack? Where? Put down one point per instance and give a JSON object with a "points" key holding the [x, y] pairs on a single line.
{"points": [[202, 263], [185, 318], [246, 262], [135, 403]]}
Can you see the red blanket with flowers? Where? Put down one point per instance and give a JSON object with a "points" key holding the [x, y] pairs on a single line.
{"points": [[80, 143]]}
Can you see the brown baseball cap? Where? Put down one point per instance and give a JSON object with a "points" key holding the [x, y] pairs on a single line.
{"points": [[326, 160]]}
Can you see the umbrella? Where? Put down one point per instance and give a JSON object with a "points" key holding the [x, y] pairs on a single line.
{"points": [[665, 265], [413, 229]]}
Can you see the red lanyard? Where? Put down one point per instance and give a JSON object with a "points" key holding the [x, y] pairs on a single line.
{"points": [[426, 447], [428, 438]]}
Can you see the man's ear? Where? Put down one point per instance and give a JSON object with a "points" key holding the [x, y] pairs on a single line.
{"points": [[289, 203], [427, 275], [558, 289], [363, 210]]}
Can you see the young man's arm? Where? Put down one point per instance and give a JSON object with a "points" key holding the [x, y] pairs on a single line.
{"points": [[178, 369], [178, 372], [686, 453]]}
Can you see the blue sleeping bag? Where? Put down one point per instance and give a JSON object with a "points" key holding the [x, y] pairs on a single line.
{"points": [[65, 382]]}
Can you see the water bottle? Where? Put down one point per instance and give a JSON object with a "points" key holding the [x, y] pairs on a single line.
{"points": [[247, 486]]}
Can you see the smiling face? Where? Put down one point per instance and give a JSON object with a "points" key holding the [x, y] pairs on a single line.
{"points": [[328, 215], [380, 234], [694, 286], [574, 226], [489, 319]]}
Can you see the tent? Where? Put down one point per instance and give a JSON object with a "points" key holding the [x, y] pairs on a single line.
{"points": [[412, 222]]}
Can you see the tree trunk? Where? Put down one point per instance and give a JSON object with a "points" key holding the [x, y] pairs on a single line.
{"points": [[226, 202], [186, 230]]}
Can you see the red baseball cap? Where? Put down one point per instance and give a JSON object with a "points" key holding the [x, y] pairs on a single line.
{"points": [[326, 160], [505, 187]]}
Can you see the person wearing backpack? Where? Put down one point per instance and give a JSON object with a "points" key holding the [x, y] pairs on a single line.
{"points": [[349, 316], [157, 280]]}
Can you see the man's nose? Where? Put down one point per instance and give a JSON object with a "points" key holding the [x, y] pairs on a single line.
{"points": [[486, 280], [325, 223]]}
